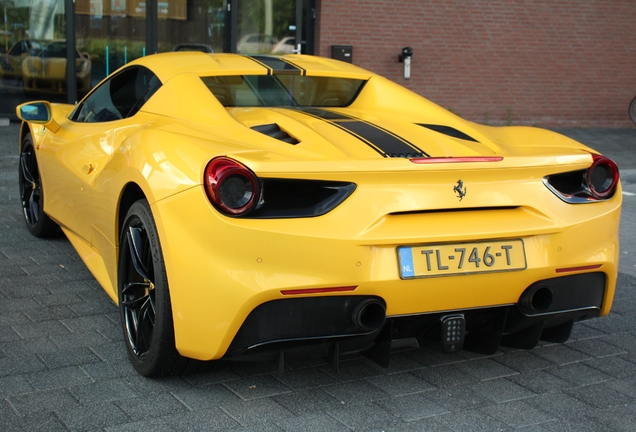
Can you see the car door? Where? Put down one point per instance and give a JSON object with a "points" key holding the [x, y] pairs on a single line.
{"points": [[67, 172], [81, 149]]}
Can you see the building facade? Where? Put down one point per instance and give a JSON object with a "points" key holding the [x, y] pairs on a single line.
{"points": [[546, 62]]}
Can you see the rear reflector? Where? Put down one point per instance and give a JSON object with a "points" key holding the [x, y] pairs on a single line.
{"points": [[317, 290], [582, 268], [438, 160]]}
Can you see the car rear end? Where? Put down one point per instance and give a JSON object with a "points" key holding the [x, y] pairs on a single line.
{"points": [[482, 244], [343, 212]]}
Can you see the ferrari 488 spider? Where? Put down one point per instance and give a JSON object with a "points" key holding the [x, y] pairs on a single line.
{"points": [[255, 207]]}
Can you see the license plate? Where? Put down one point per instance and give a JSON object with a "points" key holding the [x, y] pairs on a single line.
{"points": [[461, 258]]}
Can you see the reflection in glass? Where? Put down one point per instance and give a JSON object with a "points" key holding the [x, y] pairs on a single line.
{"points": [[28, 27], [46, 72], [199, 27], [11, 62], [283, 90], [112, 32], [266, 26]]}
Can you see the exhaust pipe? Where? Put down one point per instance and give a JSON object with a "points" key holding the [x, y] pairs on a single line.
{"points": [[536, 299], [369, 315]]}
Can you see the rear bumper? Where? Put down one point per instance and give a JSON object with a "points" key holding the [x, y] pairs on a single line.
{"points": [[233, 267], [324, 325]]}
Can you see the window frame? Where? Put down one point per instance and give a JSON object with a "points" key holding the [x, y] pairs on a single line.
{"points": [[133, 105]]}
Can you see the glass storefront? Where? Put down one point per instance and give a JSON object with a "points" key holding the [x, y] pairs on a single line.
{"points": [[192, 25], [260, 30], [29, 60], [111, 33]]}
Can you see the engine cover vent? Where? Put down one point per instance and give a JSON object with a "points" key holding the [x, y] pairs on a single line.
{"points": [[274, 131], [450, 131]]}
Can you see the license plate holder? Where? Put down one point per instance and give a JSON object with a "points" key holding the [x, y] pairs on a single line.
{"points": [[451, 259]]}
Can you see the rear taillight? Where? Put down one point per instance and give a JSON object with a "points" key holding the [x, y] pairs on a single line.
{"points": [[602, 177], [232, 188], [598, 182]]}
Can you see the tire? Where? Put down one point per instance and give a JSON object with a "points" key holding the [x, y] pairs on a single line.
{"points": [[31, 194], [144, 298], [632, 110]]}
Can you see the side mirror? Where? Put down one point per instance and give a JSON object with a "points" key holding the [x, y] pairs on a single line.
{"points": [[37, 112]]}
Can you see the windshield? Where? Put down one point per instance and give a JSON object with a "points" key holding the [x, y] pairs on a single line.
{"points": [[283, 90]]}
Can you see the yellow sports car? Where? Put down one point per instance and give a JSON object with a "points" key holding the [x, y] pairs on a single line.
{"points": [[268, 207]]}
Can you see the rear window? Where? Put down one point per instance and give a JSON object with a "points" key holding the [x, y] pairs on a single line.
{"points": [[283, 90]]}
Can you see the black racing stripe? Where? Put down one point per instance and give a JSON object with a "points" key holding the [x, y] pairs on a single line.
{"points": [[269, 69], [324, 114], [381, 140], [389, 143], [315, 114], [302, 70], [277, 65]]}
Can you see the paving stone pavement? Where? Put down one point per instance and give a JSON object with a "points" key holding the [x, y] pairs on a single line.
{"points": [[63, 364]]}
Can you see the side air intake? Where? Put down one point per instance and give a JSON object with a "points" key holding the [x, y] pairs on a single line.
{"points": [[274, 131]]}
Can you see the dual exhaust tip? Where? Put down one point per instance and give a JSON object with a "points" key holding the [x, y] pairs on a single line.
{"points": [[369, 315], [536, 299]]}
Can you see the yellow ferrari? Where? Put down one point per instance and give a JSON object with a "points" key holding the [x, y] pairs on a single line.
{"points": [[269, 207]]}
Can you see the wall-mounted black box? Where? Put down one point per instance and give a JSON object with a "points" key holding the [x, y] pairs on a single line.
{"points": [[342, 52]]}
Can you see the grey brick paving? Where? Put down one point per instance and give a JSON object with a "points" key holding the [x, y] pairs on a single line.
{"points": [[63, 364]]}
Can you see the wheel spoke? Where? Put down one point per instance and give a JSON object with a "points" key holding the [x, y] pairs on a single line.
{"points": [[30, 188], [26, 194], [130, 286], [135, 244], [27, 197], [25, 170], [33, 209], [151, 310], [136, 337], [145, 325], [134, 303]]}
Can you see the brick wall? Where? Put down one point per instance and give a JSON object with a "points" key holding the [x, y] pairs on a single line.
{"points": [[539, 62]]}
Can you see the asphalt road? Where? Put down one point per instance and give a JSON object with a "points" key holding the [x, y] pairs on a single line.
{"points": [[63, 364]]}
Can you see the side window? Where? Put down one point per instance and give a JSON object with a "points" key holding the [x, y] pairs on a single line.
{"points": [[119, 97]]}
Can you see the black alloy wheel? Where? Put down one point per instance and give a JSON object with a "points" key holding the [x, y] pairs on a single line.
{"points": [[32, 196], [144, 298]]}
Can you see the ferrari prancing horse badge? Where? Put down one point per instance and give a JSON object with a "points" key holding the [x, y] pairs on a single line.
{"points": [[460, 190]]}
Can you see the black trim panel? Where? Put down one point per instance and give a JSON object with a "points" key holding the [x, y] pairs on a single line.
{"points": [[318, 325], [447, 130], [293, 198]]}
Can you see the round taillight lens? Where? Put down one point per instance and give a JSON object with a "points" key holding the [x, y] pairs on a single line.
{"points": [[232, 188], [602, 177]]}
